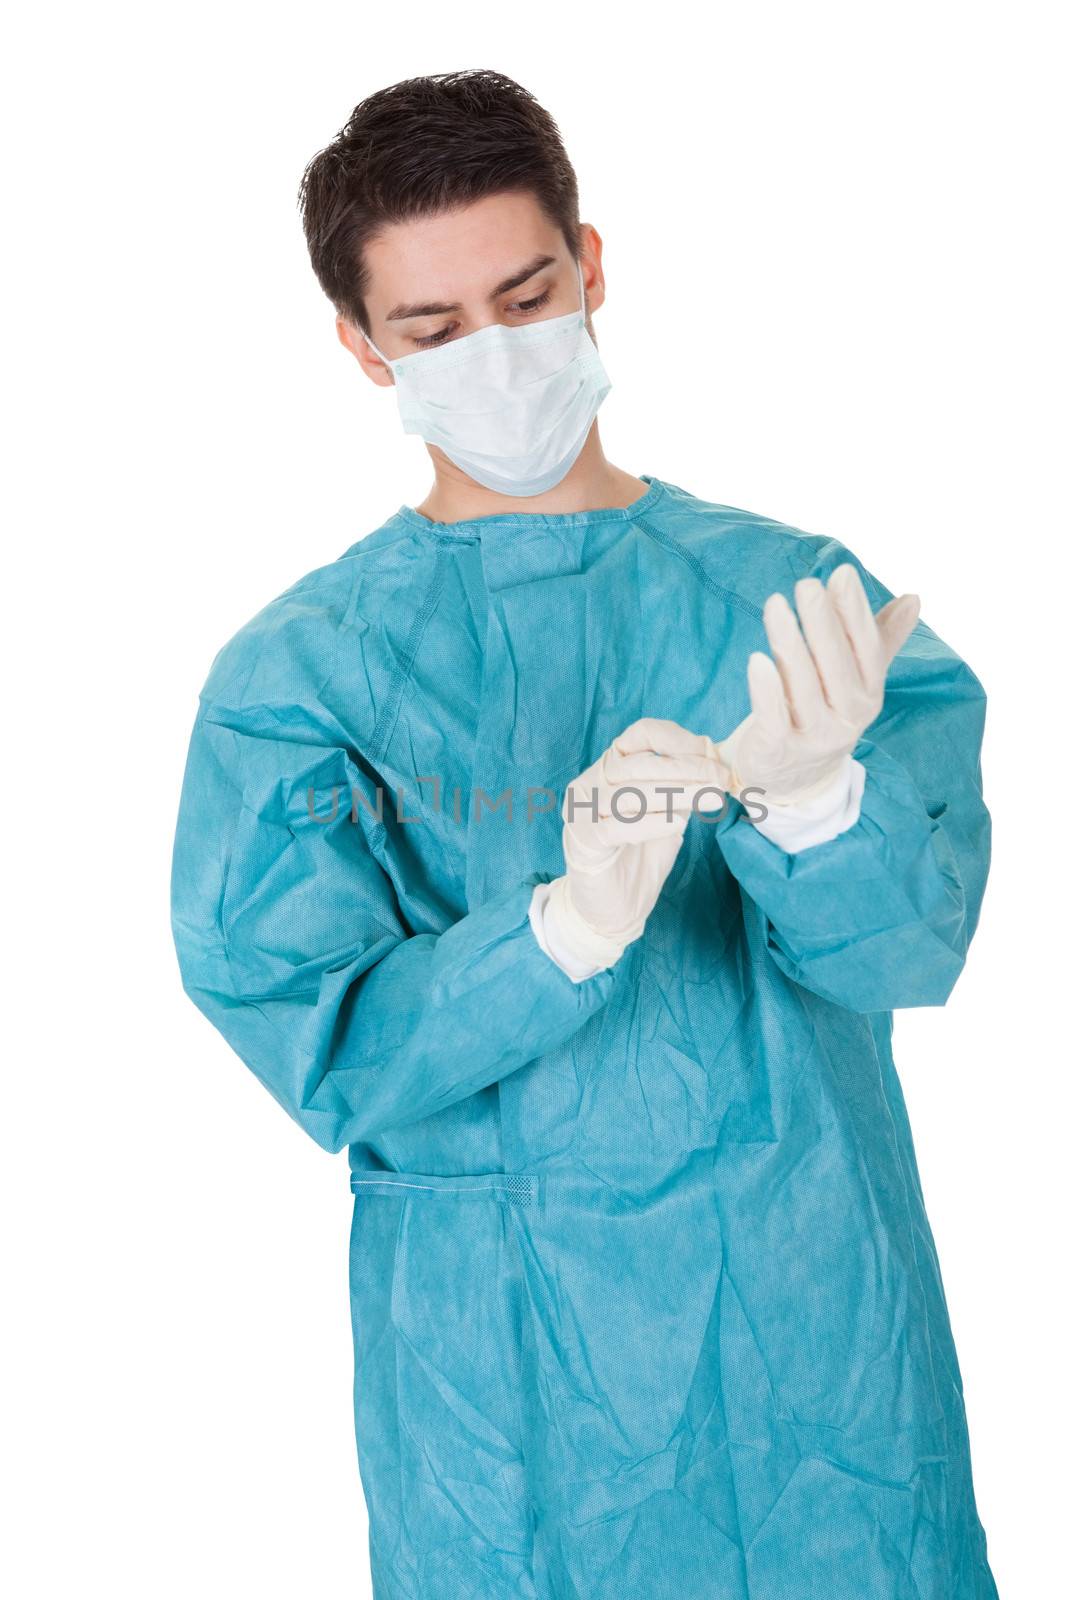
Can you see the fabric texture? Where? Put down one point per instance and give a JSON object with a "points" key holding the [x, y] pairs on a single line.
{"points": [[644, 1296]]}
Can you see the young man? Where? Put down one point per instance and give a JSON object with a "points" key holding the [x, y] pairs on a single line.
{"points": [[644, 1295]]}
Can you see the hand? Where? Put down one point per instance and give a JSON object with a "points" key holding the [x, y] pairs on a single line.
{"points": [[624, 821], [823, 688]]}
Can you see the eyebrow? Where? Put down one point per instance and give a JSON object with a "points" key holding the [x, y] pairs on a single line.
{"points": [[437, 308]]}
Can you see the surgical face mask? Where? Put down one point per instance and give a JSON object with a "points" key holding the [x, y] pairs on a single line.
{"points": [[512, 407]]}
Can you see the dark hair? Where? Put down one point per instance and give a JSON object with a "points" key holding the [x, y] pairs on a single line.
{"points": [[421, 147]]}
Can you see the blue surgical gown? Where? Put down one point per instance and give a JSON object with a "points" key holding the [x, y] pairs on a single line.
{"points": [[644, 1296]]}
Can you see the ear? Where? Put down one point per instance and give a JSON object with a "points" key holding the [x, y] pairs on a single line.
{"points": [[591, 266], [355, 342]]}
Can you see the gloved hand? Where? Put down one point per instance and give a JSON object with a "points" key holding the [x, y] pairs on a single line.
{"points": [[823, 688], [624, 821]]}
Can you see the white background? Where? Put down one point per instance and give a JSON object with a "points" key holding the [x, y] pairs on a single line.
{"points": [[834, 292]]}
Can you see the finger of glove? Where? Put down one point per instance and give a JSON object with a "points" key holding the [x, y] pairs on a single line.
{"points": [[835, 660], [661, 736], [770, 703], [845, 588], [645, 768], [665, 798], [895, 622], [623, 830], [792, 657]]}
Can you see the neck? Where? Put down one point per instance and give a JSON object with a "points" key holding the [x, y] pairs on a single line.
{"points": [[592, 484]]}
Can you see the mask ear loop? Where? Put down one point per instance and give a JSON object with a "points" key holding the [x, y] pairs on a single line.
{"points": [[377, 352]]}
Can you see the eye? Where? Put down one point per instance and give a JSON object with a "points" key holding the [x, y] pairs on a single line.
{"points": [[526, 306], [434, 338]]}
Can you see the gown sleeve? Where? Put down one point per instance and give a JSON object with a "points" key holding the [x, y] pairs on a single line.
{"points": [[291, 940], [882, 916]]}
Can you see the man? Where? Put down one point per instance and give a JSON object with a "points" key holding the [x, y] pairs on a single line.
{"points": [[644, 1296]]}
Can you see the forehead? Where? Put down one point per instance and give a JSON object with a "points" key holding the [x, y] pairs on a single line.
{"points": [[458, 254]]}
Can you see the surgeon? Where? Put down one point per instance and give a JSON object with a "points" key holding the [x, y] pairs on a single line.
{"points": [[562, 851]]}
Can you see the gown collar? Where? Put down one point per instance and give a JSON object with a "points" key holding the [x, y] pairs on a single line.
{"points": [[521, 546], [511, 522]]}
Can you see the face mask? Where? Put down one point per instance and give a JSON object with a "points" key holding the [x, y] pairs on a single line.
{"points": [[510, 406]]}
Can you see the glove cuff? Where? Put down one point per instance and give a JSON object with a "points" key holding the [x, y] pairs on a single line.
{"points": [[833, 811], [824, 794]]}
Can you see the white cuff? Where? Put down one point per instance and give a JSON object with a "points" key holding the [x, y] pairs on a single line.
{"points": [[548, 937], [820, 819]]}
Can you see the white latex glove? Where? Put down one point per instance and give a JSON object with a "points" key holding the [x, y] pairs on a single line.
{"points": [[823, 688], [624, 821]]}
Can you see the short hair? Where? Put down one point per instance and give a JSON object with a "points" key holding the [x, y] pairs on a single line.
{"points": [[421, 147]]}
